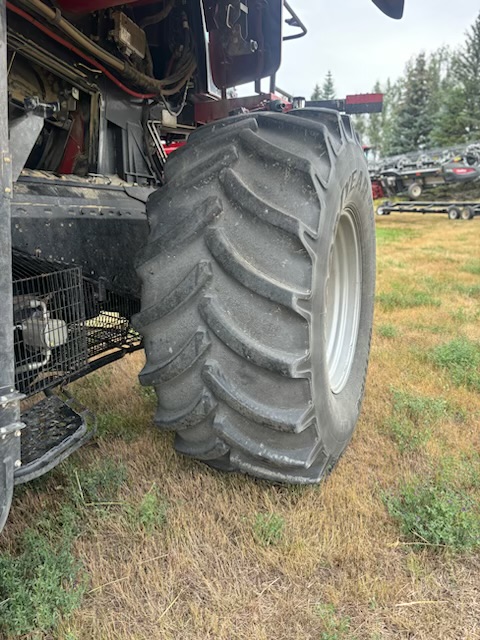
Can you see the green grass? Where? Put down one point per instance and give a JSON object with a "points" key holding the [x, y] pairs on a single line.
{"points": [[114, 424], [150, 513], [468, 290], [438, 249], [418, 408], [406, 299], [96, 382], [434, 513], [387, 235], [461, 359], [473, 266], [123, 424], [336, 627], [387, 330], [431, 283], [412, 418], [391, 264], [148, 394], [97, 484], [463, 316], [460, 315], [268, 529], [42, 582], [428, 328], [461, 471], [407, 435]]}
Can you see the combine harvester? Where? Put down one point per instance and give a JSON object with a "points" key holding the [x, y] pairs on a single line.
{"points": [[244, 264]]}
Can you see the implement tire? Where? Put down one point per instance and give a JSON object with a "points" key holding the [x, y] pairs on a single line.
{"points": [[414, 191], [454, 212], [258, 290]]}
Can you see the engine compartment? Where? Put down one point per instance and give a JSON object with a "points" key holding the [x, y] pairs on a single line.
{"points": [[111, 114]]}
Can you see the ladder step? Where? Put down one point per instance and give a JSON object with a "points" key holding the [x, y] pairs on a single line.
{"points": [[53, 430]]}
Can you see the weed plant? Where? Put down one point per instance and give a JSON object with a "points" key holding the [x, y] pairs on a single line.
{"points": [[268, 529], [461, 359], [96, 484], [42, 581], [150, 514], [387, 330], [336, 627], [434, 513], [412, 417]]}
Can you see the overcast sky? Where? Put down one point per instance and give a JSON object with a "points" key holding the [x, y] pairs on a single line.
{"points": [[359, 44]]}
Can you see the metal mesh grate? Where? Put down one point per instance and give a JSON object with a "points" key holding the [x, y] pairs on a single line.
{"points": [[108, 326], [49, 325], [63, 321]]}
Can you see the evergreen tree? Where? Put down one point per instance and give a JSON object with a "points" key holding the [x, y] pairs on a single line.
{"points": [[360, 125], [328, 88], [375, 124], [467, 72], [391, 102], [451, 123], [413, 122], [439, 79], [317, 92]]}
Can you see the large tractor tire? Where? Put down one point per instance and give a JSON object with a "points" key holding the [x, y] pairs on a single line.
{"points": [[258, 289]]}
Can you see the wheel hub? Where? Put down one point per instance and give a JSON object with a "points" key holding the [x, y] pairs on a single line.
{"points": [[343, 300]]}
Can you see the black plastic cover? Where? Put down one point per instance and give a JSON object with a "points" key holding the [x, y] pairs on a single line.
{"points": [[392, 8], [232, 62]]}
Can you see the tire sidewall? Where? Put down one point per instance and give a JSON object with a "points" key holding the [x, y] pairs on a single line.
{"points": [[349, 186]]}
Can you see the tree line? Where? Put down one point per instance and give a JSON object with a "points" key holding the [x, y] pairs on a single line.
{"points": [[436, 102]]}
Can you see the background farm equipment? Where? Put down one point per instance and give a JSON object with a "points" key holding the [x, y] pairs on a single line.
{"points": [[413, 173], [454, 210]]}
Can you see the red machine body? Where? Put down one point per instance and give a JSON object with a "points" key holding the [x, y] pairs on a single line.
{"points": [[173, 146]]}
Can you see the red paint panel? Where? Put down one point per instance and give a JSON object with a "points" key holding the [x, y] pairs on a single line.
{"points": [[464, 170], [173, 146], [364, 98]]}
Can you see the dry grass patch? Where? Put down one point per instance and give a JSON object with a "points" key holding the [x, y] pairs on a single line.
{"points": [[170, 549]]}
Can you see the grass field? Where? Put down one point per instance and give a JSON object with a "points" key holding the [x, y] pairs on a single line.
{"points": [[127, 540]]}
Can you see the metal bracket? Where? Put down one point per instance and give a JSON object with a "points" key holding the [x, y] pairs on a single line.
{"points": [[10, 398], [25, 131], [9, 461], [15, 428], [6, 170]]}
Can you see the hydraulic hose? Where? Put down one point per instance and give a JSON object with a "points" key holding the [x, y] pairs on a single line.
{"points": [[123, 68], [54, 17], [78, 52], [159, 16]]}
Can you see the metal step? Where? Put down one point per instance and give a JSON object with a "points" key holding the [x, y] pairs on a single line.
{"points": [[53, 430]]}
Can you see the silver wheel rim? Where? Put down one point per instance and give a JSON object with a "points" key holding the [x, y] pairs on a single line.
{"points": [[343, 301]]}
